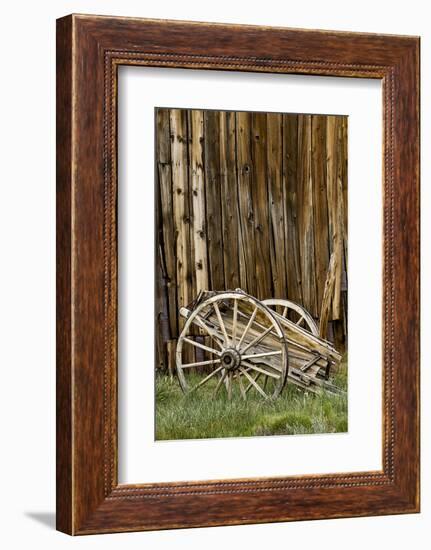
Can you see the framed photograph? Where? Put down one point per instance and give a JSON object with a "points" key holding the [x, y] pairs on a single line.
{"points": [[237, 274]]}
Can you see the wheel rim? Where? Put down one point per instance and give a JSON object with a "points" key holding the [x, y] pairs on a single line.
{"points": [[285, 308], [244, 348]]}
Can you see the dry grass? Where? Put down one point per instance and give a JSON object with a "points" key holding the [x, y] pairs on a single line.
{"points": [[200, 415]]}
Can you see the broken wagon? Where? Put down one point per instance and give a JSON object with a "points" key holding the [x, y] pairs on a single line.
{"points": [[237, 343]]}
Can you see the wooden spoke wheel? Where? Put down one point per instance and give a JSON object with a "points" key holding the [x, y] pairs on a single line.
{"points": [[294, 312], [236, 345]]}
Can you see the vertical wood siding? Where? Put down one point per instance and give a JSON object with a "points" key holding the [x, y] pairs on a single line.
{"points": [[250, 200]]}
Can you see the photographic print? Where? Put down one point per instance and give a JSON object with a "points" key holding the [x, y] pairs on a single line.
{"points": [[251, 274]]}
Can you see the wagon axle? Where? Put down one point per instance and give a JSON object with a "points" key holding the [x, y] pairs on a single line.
{"points": [[231, 359]]}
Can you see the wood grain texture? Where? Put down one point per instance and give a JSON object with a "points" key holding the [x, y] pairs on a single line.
{"points": [[229, 199], [213, 200], [245, 203], [181, 205], [331, 185], [197, 181], [276, 206], [328, 292], [89, 497], [320, 205], [259, 194], [290, 186], [306, 216], [167, 237]]}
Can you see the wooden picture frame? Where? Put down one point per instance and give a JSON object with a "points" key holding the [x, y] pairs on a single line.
{"points": [[89, 51]]}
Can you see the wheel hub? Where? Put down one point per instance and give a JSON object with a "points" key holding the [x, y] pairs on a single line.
{"points": [[231, 359]]}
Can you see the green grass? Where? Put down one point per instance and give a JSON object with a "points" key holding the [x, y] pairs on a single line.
{"points": [[200, 415]]}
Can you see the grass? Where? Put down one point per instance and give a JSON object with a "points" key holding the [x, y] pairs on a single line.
{"points": [[200, 415]]}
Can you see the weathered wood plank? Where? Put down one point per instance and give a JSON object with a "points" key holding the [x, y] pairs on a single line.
{"points": [[171, 347], [334, 227], [264, 287], [339, 232], [178, 119], [320, 206], [229, 199], [344, 174], [198, 238], [305, 215], [327, 297], [213, 200], [159, 316], [331, 176], [290, 201], [276, 204], [162, 317], [165, 211], [339, 338], [245, 203]]}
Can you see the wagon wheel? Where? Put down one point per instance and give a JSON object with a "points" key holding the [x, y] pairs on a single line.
{"points": [[294, 312], [246, 344]]}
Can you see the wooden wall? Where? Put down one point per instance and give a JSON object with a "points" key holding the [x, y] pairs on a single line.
{"points": [[250, 200]]}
